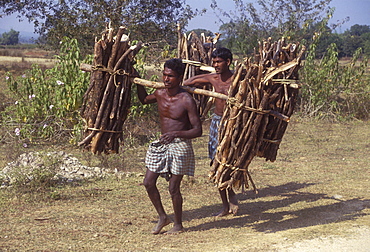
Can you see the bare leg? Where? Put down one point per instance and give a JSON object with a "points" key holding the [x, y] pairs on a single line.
{"points": [[174, 189], [225, 204], [233, 202], [229, 202], [150, 181]]}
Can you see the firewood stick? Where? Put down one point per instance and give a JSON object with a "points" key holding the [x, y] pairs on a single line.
{"points": [[117, 93], [105, 111], [248, 149], [107, 91], [201, 66], [115, 47], [199, 46], [179, 42], [98, 82]]}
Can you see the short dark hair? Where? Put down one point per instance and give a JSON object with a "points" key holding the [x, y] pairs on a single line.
{"points": [[222, 53], [175, 65]]}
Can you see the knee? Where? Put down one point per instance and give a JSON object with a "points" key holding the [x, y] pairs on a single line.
{"points": [[174, 191], [149, 184]]}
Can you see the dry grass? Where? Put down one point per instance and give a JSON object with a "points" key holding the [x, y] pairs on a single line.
{"points": [[20, 62], [317, 187]]}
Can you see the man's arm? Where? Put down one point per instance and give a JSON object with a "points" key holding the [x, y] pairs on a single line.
{"points": [[144, 97], [198, 80], [194, 118]]}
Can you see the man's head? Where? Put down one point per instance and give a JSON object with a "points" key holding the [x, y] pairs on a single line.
{"points": [[222, 53], [173, 73], [221, 60], [176, 65]]}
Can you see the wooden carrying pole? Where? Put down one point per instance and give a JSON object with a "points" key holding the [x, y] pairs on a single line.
{"points": [[160, 85], [198, 91]]}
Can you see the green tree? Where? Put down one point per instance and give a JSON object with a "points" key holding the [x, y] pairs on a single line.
{"points": [[350, 44], [10, 38], [358, 30], [358, 36], [326, 39], [248, 22], [366, 44], [84, 20]]}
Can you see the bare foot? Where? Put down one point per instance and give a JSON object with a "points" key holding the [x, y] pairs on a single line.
{"points": [[157, 229], [175, 230], [234, 208], [233, 203], [222, 213]]}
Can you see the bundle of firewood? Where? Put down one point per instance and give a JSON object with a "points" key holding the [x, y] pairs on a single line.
{"points": [[261, 100], [107, 100], [196, 54]]}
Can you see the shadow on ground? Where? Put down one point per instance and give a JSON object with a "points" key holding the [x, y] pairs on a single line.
{"points": [[266, 215]]}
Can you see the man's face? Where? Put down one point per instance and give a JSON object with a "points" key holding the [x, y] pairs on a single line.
{"points": [[220, 64], [170, 78]]}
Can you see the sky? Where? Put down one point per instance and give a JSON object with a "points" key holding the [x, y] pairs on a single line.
{"points": [[357, 10]]}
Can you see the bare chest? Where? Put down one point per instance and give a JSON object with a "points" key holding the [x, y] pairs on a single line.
{"points": [[172, 108], [221, 86]]}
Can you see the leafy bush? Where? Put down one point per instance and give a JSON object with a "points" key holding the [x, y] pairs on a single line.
{"points": [[47, 101], [332, 90]]}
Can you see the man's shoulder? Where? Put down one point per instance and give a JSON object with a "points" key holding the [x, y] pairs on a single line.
{"points": [[212, 75], [159, 91], [184, 93], [209, 76], [186, 96]]}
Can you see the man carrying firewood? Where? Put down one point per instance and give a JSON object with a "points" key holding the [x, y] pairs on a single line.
{"points": [[221, 81], [172, 155]]}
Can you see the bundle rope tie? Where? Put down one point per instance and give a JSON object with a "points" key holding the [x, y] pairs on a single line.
{"points": [[111, 72], [231, 101], [235, 169], [230, 166], [273, 141]]}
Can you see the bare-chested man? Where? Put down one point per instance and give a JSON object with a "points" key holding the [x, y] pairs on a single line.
{"points": [[172, 155], [221, 81]]}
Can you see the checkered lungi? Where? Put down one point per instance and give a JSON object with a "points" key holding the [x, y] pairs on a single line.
{"points": [[176, 158], [213, 136]]}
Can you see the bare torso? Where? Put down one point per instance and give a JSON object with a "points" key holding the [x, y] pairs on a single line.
{"points": [[220, 86], [177, 109], [220, 82], [173, 110]]}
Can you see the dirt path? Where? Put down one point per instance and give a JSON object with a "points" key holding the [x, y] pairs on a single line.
{"points": [[358, 241]]}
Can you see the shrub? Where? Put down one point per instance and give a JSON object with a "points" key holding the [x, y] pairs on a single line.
{"points": [[334, 91], [47, 101]]}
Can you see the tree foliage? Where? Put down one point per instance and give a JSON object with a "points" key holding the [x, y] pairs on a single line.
{"points": [[146, 20], [250, 22], [357, 36], [10, 38]]}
